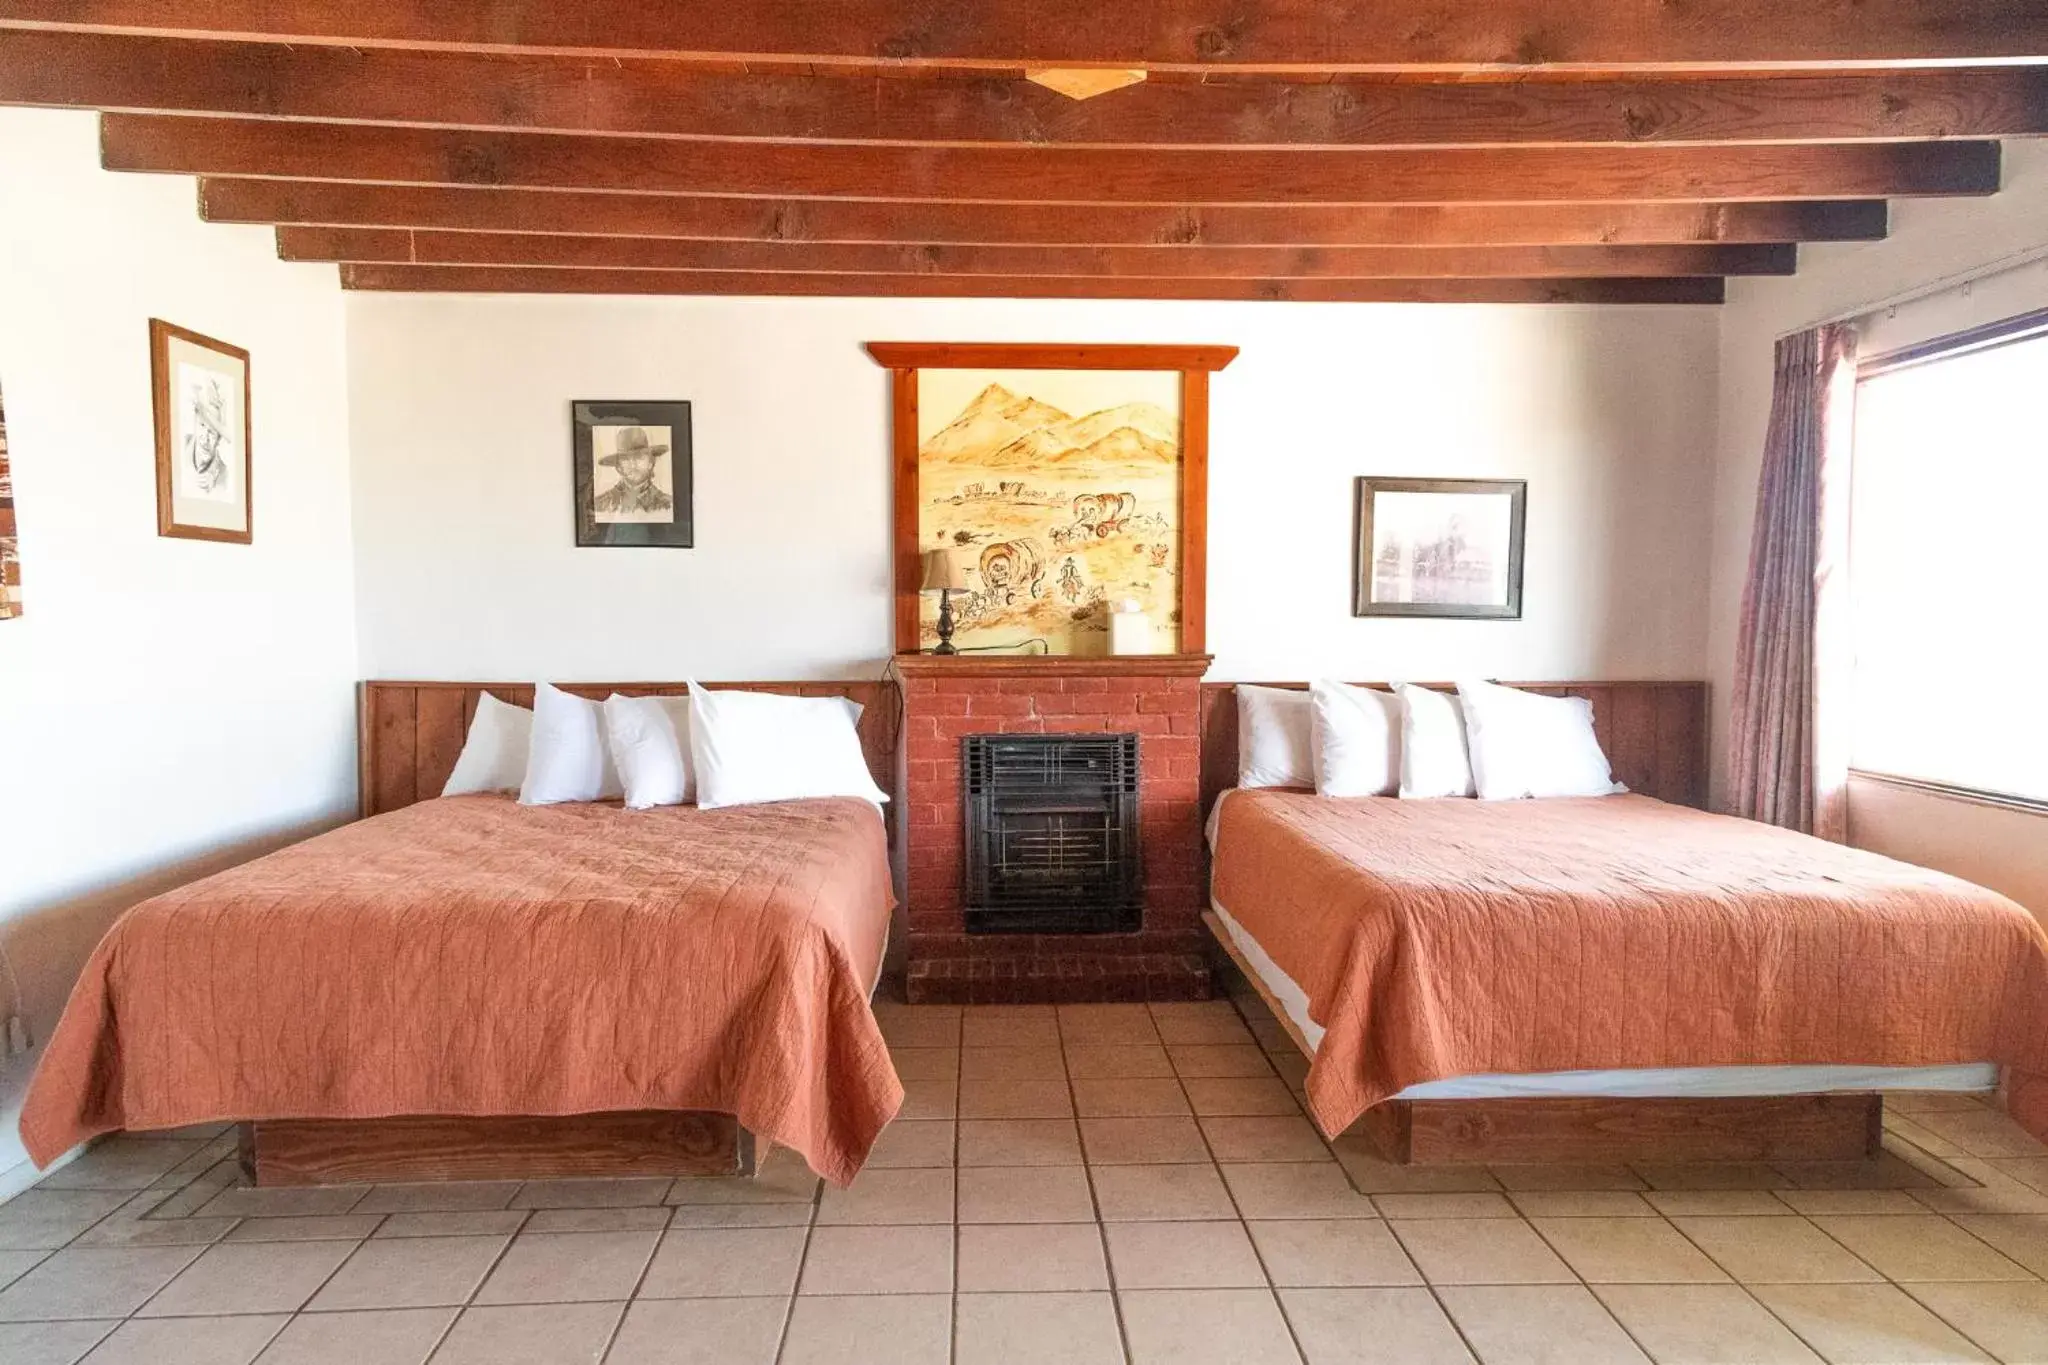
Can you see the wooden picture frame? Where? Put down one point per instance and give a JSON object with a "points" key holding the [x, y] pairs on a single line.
{"points": [[1444, 591], [204, 458], [649, 501], [1195, 364]]}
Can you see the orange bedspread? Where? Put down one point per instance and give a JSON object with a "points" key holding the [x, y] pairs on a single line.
{"points": [[1449, 938], [473, 956]]}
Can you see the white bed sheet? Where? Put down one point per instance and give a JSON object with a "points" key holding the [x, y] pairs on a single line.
{"points": [[1635, 1083]]}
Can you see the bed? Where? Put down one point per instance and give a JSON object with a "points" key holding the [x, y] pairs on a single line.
{"points": [[1615, 977], [463, 987]]}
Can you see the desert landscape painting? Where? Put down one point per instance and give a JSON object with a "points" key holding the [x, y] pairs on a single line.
{"points": [[1060, 491]]}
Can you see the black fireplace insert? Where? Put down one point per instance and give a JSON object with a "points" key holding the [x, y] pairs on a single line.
{"points": [[1052, 834]]}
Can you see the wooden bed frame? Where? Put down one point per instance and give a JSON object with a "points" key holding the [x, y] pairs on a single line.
{"points": [[411, 734], [1654, 734]]}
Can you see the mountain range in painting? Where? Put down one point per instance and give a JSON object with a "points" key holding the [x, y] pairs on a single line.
{"points": [[1001, 429]]}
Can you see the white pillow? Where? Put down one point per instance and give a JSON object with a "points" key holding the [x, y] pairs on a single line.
{"points": [[1433, 755], [494, 753], [650, 746], [1274, 743], [748, 747], [1523, 744], [568, 760], [1357, 740]]}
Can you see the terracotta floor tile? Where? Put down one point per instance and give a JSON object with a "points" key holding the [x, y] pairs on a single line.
{"points": [[51, 1343], [1866, 1323], [917, 1330], [1037, 1329], [700, 1332], [2022, 1237], [1213, 1030], [120, 1163], [329, 1227], [1581, 1204], [926, 1063], [1142, 1141], [1111, 1024], [569, 1267], [396, 1336], [1372, 1327], [249, 1277], [1128, 1193], [478, 1223], [96, 1282], [410, 1272], [1137, 1098], [1567, 1177], [1720, 1203], [1461, 1251], [1540, 1325], [913, 1143], [530, 1334], [1019, 1142], [878, 1260], [1628, 1251], [1030, 1258], [1240, 1095], [1703, 1324], [1189, 1255], [1262, 1137], [2009, 1320], [1015, 1100], [1226, 1061], [696, 1263], [1117, 1061], [632, 1218], [1025, 1194], [1930, 1248], [939, 1099], [455, 1196], [890, 1197], [1775, 1250], [1476, 1205], [188, 1341], [591, 1194], [919, 1025], [1331, 1253], [1206, 1327], [1036, 1030], [1040, 1063], [1295, 1189]]}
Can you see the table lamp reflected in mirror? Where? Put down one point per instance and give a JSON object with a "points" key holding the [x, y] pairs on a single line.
{"points": [[944, 574]]}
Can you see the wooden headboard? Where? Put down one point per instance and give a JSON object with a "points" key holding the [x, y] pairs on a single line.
{"points": [[1655, 734], [411, 732]]}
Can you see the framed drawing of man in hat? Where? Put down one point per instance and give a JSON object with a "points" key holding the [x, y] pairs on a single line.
{"points": [[632, 474], [201, 392]]}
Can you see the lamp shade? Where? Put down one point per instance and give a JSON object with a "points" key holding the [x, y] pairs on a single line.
{"points": [[943, 569]]}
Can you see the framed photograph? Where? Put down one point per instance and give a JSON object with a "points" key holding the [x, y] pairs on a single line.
{"points": [[1440, 547], [633, 474], [201, 392]]}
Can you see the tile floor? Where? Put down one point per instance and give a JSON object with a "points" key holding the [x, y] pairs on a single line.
{"points": [[1078, 1185]]}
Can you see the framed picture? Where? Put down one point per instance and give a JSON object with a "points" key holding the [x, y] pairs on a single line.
{"points": [[1440, 547], [633, 474], [201, 392], [1065, 479], [10, 561]]}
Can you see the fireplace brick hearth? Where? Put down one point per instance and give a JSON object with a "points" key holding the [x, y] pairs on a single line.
{"points": [[1156, 697]]}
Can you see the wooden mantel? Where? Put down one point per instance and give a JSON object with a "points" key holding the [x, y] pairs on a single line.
{"points": [[928, 665]]}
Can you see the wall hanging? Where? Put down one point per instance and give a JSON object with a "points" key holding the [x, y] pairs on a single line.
{"points": [[200, 389], [1064, 477], [1439, 547], [632, 474]]}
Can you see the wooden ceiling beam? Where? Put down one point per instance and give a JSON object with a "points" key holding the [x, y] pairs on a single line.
{"points": [[659, 98], [1321, 35], [327, 151], [551, 280], [316, 203], [402, 246]]}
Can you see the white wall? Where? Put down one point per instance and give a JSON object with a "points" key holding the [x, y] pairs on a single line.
{"points": [[1930, 241], [466, 564], [166, 706]]}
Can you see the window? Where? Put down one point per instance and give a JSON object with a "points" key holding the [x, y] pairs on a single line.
{"points": [[1948, 564]]}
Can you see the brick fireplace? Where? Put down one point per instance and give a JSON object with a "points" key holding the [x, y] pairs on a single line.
{"points": [[1155, 697]]}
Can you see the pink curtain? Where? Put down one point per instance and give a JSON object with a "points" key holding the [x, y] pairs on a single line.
{"points": [[1788, 763]]}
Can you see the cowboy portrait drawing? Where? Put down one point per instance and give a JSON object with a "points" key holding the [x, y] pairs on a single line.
{"points": [[206, 439], [636, 459]]}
